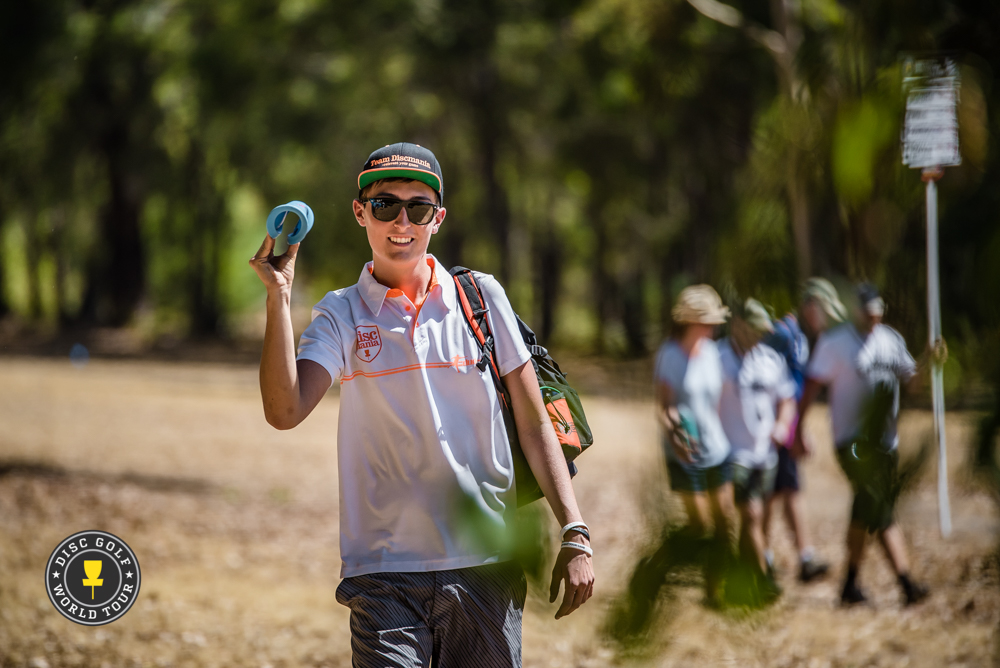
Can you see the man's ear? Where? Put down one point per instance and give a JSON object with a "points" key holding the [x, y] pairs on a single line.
{"points": [[438, 219], [359, 212]]}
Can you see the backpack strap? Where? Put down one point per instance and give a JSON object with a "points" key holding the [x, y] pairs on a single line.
{"points": [[475, 310]]}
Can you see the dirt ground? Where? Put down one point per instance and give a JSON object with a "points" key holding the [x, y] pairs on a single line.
{"points": [[235, 528]]}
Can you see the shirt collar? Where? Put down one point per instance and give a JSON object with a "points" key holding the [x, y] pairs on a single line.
{"points": [[374, 293]]}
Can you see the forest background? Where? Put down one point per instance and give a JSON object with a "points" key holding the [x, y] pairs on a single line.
{"points": [[598, 156]]}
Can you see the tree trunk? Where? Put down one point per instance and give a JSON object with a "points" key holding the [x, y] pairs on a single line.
{"points": [[634, 312], [32, 257], [697, 252], [117, 276], [549, 273], [206, 241], [4, 306], [59, 256], [489, 123], [799, 207], [785, 16], [602, 288]]}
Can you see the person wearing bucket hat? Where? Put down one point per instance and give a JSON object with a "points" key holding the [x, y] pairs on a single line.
{"points": [[757, 408], [423, 471], [863, 364], [688, 375]]}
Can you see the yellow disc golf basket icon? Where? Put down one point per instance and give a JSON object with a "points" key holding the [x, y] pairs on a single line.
{"points": [[93, 570]]}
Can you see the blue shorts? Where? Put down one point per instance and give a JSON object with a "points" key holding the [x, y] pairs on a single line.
{"points": [[689, 478], [787, 478]]}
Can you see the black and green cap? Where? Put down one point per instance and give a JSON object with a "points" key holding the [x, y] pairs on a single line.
{"points": [[403, 160]]}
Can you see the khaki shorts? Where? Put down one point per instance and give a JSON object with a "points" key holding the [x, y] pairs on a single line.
{"points": [[753, 483]]}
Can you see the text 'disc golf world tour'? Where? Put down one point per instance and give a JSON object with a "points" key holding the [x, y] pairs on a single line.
{"points": [[92, 578]]}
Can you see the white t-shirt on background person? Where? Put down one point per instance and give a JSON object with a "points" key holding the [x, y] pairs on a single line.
{"points": [[853, 366], [697, 385], [420, 429], [753, 386]]}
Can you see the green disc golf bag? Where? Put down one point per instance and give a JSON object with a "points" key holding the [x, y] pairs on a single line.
{"points": [[561, 401]]}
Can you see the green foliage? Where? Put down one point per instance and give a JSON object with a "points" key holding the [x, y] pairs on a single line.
{"points": [[597, 156]]}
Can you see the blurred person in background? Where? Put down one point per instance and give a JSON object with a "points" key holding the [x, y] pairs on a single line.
{"points": [[757, 410], [820, 309], [863, 363], [688, 375]]}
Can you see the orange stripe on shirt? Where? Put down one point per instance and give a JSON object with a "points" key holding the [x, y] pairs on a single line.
{"points": [[454, 364]]}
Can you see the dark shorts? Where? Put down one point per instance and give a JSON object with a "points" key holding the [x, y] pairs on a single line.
{"points": [[450, 619], [787, 476], [687, 478], [872, 474], [752, 483]]}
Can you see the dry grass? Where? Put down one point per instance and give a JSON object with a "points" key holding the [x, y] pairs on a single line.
{"points": [[235, 526]]}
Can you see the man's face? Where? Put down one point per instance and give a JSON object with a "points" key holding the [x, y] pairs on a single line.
{"points": [[869, 320], [814, 317], [399, 241]]}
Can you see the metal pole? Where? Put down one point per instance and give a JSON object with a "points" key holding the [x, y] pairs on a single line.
{"points": [[933, 336]]}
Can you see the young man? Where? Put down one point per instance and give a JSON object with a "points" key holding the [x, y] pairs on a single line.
{"points": [[421, 437], [821, 308], [863, 366], [757, 411]]}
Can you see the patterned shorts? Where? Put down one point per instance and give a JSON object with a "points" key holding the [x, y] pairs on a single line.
{"points": [[448, 619]]}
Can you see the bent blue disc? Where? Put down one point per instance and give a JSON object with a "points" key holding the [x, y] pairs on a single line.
{"points": [[276, 220]]}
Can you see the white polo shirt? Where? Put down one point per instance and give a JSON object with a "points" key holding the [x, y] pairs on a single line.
{"points": [[421, 439]]}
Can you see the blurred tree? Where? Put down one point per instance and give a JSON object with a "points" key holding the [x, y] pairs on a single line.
{"points": [[598, 155]]}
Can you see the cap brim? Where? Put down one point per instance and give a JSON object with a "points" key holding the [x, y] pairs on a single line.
{"points": [[370, 176]]}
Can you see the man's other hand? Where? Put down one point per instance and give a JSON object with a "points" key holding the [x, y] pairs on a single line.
{"points": [[576, 568]]}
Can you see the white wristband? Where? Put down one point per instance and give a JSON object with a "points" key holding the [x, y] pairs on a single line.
{"points": [[574, 525], [579, 546]]}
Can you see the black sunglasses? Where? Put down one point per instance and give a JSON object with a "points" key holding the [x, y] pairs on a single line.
{"points": [[387, 209]]}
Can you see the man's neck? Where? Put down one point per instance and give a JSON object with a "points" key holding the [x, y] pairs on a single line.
{"points": [[412, 278], [690, 343]]}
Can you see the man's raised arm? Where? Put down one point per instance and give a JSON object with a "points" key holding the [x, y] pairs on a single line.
{"points": [[290, 390]]}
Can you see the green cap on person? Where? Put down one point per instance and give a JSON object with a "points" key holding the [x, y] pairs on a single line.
{"points": [[822, 292], [403, 160]]}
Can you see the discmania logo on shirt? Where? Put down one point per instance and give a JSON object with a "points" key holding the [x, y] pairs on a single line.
{"points": [[369, 342], [92, 578]]}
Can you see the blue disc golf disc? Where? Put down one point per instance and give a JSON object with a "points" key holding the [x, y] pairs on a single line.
{"points": [[276, 220]]}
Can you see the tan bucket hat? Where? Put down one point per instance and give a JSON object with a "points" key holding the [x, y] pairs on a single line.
{"points": [[701, 305]]}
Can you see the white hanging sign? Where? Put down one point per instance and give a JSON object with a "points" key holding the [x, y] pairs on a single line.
{"points": [[930, 131]]}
